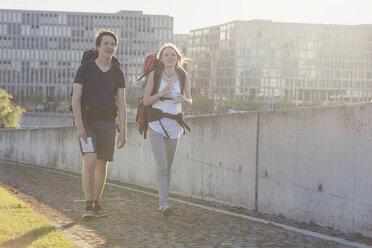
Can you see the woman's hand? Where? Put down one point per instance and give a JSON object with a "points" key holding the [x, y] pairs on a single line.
{"points": [[169, 88], [179, 98]]}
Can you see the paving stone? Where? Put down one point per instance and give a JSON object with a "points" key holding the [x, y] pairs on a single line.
{"points": [[134, 221]]}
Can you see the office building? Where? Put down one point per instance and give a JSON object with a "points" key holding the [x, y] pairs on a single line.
{"points": [[276, 61], [40, 50]]}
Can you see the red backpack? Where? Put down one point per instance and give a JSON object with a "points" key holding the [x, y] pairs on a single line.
{"points": [[149, 65], [152, 64]]}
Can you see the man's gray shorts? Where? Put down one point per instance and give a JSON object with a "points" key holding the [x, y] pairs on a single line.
{"points": [[102, 134]]}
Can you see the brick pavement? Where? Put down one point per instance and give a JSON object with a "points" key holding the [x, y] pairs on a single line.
{"points": [[134, 221]]}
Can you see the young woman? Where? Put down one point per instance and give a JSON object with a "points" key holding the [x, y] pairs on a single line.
{"points": [[165, 132]]}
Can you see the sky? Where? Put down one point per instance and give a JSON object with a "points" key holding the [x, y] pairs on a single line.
{"points": [[194, 14]]}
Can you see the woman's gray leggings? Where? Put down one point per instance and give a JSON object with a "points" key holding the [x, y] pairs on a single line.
{"points": [[164, 150]]}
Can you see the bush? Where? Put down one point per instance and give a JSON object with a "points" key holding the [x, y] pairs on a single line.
{"points": [[8, 113]]}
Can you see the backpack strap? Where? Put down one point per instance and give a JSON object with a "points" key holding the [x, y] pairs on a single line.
{"points": [[165, 131], [181, 74], [156, 80], [155, 114], [86, 74], [117, 76]]}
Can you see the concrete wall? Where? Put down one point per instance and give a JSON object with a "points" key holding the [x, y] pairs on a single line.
{"points": [[30, 119], [48, 147], [202, 167], [313, 163]]}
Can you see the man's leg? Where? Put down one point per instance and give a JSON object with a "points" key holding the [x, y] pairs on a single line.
{"points": [[89, 167], [100, 179], [88, 181]]}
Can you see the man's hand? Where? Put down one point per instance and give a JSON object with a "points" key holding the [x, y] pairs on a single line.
{"points": [[122, 139], [81, 133]]}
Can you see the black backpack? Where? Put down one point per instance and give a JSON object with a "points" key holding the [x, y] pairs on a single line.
{"points": [[153, 64], [91, 55]]}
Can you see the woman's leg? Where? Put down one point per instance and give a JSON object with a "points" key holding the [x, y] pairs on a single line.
{"points": [[170, 151], [157, 144]]}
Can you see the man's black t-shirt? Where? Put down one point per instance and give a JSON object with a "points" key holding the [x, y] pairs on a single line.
{"points": [[99, 88]]}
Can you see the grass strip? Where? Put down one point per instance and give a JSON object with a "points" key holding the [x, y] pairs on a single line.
{"points": [[20, 226]]}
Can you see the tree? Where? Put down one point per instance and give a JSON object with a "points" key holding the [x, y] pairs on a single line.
{"points": [[131, 100], [250, 104], [9, 113], [315, 103], [285, 103], [36, 98], [239, 104], [256, 104], [201, 104]]}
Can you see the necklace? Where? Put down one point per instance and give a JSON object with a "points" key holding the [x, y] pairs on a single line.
{"points": [[169, 78]]}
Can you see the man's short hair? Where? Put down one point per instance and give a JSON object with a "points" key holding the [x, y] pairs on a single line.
{"points": [[103, 32]]}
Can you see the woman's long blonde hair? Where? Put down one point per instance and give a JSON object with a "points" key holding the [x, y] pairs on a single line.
{"points": [[180, 58]]}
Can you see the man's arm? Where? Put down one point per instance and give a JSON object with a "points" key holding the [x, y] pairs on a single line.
{"points": [[76, 106], [122, 111]]}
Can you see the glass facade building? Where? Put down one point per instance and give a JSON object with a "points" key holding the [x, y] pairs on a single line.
{"points": [[40, 50], [276, 61]]}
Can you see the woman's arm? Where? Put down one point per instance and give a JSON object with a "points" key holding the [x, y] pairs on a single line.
{"points": [[149, 99]]}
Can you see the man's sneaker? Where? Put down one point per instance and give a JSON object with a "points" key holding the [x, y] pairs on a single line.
{"points": [[166, 211], [99, 212], [88, 212]]}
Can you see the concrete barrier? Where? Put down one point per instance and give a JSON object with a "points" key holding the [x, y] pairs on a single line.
{"points": [[312, 164], [315, 164]]}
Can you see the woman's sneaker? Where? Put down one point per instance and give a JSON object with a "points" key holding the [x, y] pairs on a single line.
{"points": [[99, 212], [166, 211], [88, 212], [160, 209]]}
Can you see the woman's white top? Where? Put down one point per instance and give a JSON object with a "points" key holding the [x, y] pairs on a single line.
{"points": [[174, 129]]}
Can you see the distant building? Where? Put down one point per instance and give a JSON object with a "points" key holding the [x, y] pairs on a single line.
{"points": [[277, 61], [40, 50], [182, 42]]}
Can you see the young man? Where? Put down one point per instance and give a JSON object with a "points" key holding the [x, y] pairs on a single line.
{"points": [[99, 94]]}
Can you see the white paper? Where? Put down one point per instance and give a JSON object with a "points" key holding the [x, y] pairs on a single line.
{"points": [[87, 147]]}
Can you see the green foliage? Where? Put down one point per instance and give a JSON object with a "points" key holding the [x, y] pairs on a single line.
{"points": [[239, 104], [8, 113], [36, 98], [315, 103], [285, 103], [56, 99], [255, 104], [201, 104], [131, 100], [250, 104]]}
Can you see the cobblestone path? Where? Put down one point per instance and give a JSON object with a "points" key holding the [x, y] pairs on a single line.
{"points": [[134, 221]]}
